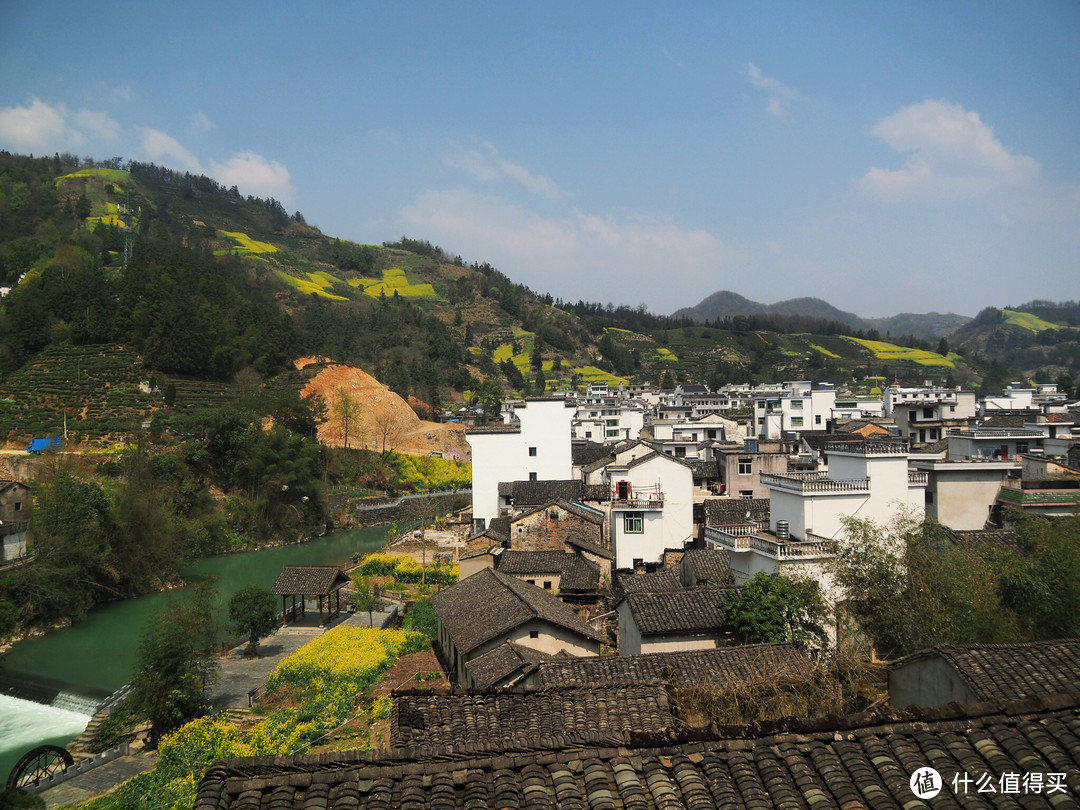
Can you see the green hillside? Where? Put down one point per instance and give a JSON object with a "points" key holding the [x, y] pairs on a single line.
{"points": [[220, 284]]}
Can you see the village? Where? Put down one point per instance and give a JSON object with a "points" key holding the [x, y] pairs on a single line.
{"points": [[588, 614]]}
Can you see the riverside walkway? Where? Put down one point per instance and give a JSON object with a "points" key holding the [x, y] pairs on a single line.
{"points": [[238, 675]]}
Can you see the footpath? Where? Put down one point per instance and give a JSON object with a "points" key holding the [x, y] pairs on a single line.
{"points": [[238, 675]]}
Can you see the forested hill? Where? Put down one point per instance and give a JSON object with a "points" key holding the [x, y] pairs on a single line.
{"points": [[218, 285]]}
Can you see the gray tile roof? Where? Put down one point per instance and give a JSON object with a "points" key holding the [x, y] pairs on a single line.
{"points": [[577, 573], [708, 565], [684, 669], [488, 604], [1007, 538], [732, 511], [861, 761], [1009, 671], [505, 661], [630, 582], [474, 722], [534, 493], [311, 580], [690, 610]]}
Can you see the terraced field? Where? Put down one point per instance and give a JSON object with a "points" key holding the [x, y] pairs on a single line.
{"points": [[890, 351], [96, 387], [1028, 321]]}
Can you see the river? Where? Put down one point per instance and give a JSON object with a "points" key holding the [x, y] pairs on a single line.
{"points": [[51, 685]]}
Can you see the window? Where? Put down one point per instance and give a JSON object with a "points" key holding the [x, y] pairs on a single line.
{"points": [[796, 404], [588, 434], [532, 451], [534, 633], [746, 466], [633, 523], [817, 418], [796, 421], [1021, 447], [532, 476], [746, 494], [547, 584], [18, 506]]}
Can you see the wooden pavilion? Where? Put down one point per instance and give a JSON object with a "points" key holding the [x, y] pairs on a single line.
{"points": [[323, 581]]}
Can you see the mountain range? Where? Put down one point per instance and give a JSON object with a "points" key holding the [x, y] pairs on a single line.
{"points": [[127, 279]]}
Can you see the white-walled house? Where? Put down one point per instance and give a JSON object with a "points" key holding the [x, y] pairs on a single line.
{"points": [[925, 414], [534, 446], [800, 407], [651, 506], [961, 493], [869, 480]]}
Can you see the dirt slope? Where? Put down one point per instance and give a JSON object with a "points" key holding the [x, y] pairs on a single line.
{"points": [[383, 415]]}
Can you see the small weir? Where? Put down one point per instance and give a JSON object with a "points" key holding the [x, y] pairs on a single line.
{"points": [[51, 686]]}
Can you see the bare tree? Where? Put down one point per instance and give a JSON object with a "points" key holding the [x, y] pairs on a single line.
{"points": [[347, 409], [388, 428]]}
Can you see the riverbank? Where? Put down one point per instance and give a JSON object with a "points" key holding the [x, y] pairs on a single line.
{"points": [[239, 679]]}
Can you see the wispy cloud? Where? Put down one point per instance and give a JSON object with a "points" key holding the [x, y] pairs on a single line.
{"points": [[487, 165], [39, 126], [253, 174], [596, 257], [164, 148], [123, 92], [667, 55], [97, 125], [780, 96], [954, 155], [200, 122]]}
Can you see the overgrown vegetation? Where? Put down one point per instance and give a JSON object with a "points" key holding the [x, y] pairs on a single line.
{"points": [[838, 685], [909, 587], [312, 691]]}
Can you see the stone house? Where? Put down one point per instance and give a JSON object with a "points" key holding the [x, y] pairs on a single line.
{"points": [[490, 608]]}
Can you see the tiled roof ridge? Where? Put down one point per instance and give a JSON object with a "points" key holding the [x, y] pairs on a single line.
{"points": [[684, 741], [953, 651]]}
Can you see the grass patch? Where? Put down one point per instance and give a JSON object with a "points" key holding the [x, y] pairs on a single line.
{"points": [[394, 281], [315, 284], [823, 350], [890, 351], [593, 374], [1027, 321], [247, 245], [115, 175]]}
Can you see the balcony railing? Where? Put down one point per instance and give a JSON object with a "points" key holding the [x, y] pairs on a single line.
{"points": [[814, 482], [767, 545], [650, 502], [870, 448], [916, 479]]}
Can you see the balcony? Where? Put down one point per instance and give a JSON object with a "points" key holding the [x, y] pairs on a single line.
{"points": [[814, 483], [654, 502], [767, 545], [916, 479]]}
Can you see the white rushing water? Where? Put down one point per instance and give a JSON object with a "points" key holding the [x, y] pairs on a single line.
{"points": [[24, 724]]}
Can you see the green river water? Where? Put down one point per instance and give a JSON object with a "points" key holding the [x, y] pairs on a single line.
{"points": [[50, 685]]}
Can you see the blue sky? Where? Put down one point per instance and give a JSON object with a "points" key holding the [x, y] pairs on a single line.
{"points": [[887, 157]]}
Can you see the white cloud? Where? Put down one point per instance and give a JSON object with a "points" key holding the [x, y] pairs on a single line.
{"points": [[200, 122], [97, 125], [253, 174], [780, 96], [487, 165], [123, 92], [165, 149], [580, 255], [38, 127], [954, 156]]}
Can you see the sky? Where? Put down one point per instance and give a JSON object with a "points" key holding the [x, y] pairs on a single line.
{"points": [[886, 157]]}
